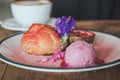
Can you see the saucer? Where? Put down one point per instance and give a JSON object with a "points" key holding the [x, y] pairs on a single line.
{"points": [[12, 24]]}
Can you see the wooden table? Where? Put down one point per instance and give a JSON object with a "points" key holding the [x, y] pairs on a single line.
{"points": [[8, 72]]}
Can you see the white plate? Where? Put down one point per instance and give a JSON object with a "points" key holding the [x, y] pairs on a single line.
{"points": [[107, 48], [11, 24]]}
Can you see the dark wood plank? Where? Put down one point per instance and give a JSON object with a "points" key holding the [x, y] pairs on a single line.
{"points": [[104, 26], [13, 73], [2, 69], [21, 74], [4, 32], [112, 73]]}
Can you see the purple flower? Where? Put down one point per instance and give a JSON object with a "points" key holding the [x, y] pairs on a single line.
{"points": [[64, 25]]}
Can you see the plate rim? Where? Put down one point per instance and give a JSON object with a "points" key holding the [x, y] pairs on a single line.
{"points": [[48, 69]]}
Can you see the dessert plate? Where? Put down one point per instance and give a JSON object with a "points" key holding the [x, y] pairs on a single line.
{"points": [[12, 24], [107, 48]]}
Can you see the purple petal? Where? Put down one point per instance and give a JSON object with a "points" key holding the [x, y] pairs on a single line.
{"points": [[64, 25], [68, 19]]}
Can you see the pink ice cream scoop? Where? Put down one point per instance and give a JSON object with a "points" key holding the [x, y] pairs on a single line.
{"points": [[80, 54]]}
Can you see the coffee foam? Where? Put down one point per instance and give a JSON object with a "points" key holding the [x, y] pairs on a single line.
{"points": [[31, 2]]}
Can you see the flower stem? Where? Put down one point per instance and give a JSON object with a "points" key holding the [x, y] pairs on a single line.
{"points": [[64, 39]]}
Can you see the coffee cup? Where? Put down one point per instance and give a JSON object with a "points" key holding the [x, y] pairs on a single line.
{"points": [[29, 12]]}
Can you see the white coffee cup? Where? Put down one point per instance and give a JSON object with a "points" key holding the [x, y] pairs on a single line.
{"points": [[29, 12]]}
